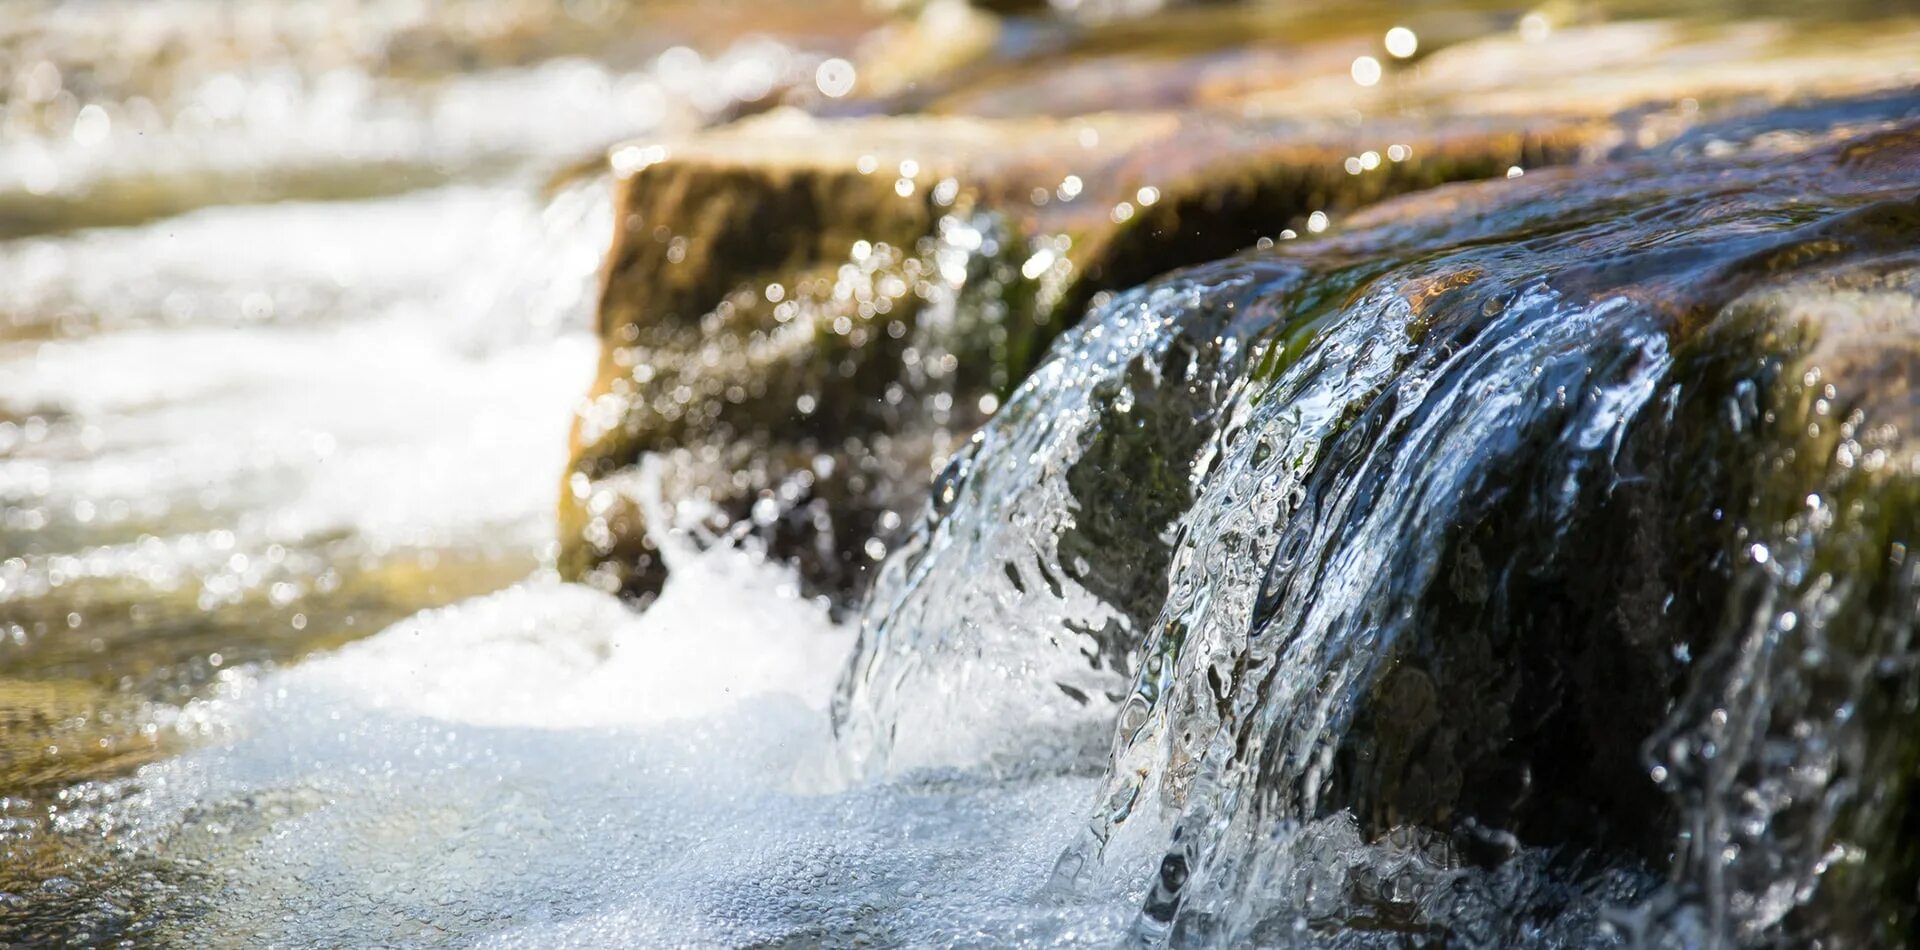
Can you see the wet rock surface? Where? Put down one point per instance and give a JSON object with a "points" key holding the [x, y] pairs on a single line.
{"points": [[1586, 631], [1040, 134], [792, 265], [1280, 543]]}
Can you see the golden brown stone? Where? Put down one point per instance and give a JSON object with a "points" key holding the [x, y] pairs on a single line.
{"points": [[767, 283]]}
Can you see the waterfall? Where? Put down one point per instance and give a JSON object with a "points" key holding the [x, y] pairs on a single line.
{"points": [[1407, 542]]}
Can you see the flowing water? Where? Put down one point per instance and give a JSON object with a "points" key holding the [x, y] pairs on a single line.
{"points": [[1366, 483], [1537, 576]]}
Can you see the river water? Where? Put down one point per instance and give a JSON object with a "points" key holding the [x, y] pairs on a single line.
{"points": [[282, 659], [237, 435]]}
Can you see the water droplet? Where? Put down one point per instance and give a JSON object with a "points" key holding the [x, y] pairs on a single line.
{"points": [[1402, 42], [92, 126], [1366, 71], [835, 77]]}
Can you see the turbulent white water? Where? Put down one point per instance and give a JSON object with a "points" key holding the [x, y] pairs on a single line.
{"points": [[254, 425], [542, 767], [536, 767], [332, 355]]}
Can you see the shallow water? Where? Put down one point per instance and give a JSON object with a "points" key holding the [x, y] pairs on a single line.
{"points": [[236, 438], [237, 435], [541, 767]]}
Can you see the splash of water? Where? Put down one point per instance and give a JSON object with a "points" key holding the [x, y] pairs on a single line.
{"points": [[1390, 466]]}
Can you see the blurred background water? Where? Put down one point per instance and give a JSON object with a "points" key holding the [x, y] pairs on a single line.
{"points": [[295, 302]]}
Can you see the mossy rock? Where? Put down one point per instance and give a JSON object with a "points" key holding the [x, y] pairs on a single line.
{"points": [[1582, 591], [765, 307], [1590, 668], [1812, 712]]}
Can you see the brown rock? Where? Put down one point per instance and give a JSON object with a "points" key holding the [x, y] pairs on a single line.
{"points": [[784, 294]]}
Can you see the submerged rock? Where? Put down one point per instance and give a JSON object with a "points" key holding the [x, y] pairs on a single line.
{"points": [[784, 295], [1483, 562]]}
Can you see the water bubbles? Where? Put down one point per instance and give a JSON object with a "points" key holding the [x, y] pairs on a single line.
{"points": [[1366, 71], [834, 77], [92, 127], [629, 159], [43, 82], [1535, 27], [1401, 42], [1317, 222], [39, 173], [679, 64], [257, 306], [1038, 264]]}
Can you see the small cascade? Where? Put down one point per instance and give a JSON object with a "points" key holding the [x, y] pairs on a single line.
{"points": [[1408, 542], [952, 547]]}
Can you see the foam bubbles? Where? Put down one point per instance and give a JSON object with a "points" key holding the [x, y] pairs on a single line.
{"points": [[544, 767]]}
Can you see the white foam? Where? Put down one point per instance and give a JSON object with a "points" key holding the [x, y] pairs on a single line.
{"points": [[406, 377], [558, 656], [544, 767]]}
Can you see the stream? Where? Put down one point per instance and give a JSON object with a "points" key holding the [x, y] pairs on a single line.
{"points": [[1163, 659]]}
